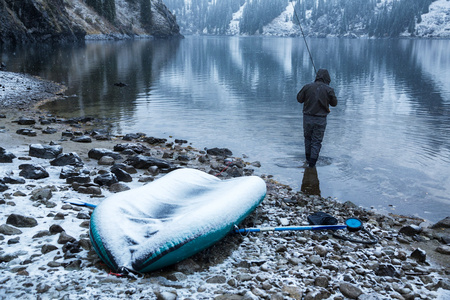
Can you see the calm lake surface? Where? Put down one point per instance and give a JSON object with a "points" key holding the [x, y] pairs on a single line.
{"points": [[387, 144]]}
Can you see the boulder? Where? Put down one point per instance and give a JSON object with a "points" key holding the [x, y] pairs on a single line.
{"points": [[26, 131], [65, 159], [13, 180], [444, 223], [30, 171], [98, 153], [135, 147], [82, 139], [21, 221], [121, 174], [145, 162], [5, 156], [26, 121], [106, 179], [224, 152], [45, 151]]}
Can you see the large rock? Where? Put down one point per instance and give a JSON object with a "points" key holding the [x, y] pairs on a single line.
{"points": [[106, 179], [45, 151], [444, 223], [224, 152], [5, 156], [30, 171], [145, 162], [135, 147], [65, 159], [21, 221], [98, 153]]}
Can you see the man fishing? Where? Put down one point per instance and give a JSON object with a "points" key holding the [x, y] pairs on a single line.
{"points": [[316, 98]]}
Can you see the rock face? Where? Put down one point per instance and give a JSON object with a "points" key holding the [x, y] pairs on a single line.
{"points": [[62, 21], [36, 21]]}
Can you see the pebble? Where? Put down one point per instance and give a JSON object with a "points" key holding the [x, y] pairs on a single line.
{"points": [[298, 265]]}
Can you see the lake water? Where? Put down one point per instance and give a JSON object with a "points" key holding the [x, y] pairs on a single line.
{"points": [[387, 144]]}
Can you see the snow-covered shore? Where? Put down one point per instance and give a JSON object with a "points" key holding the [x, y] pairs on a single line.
{"points": [[45, 251]]}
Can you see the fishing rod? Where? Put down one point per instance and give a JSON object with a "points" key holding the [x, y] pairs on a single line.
{"points": [[304, 38]]}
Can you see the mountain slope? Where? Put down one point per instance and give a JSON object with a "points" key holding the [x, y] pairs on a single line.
{"points": [[320, 18], [71, 20]]}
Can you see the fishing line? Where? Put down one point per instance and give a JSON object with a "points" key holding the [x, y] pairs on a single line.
{"points": [[303, 34]]}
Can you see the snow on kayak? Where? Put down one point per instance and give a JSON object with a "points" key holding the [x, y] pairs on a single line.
{"points": [[170, 219]]}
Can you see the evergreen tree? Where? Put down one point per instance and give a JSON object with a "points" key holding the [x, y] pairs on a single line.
{"points": [[146, 13]]}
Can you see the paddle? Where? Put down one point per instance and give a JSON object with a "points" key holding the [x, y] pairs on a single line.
{"points": [[351, 224], [80, 203]]}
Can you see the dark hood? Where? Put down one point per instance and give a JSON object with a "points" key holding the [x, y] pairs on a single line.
{"points": [[323, 75]]}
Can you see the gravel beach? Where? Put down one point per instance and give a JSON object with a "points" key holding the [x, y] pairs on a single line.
{"points": [[45, 252]]}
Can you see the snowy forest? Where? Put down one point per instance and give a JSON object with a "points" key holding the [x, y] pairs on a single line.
{"points": [[373, 18]]}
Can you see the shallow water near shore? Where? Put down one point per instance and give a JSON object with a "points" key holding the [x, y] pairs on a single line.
{"points": [[387, 143]]}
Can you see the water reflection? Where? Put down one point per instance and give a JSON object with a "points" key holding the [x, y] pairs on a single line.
{"points": [[388, 139], [310, 182]]}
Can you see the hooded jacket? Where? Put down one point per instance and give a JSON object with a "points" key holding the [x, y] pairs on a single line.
{"points": [[318, 95]]}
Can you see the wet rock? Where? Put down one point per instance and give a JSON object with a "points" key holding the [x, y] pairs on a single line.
{"points": [[445, 223], [5, 156], [98, 153], [145, 162], [49, 130], [65, 159], [410, 230], [9, 230], [45, 151], [21, 221], [133, 136], [30, 171], [69, 171], [349, 290], [121, 174], [105, 179], [27, 132], [82, 139], [224, 152], [25, 121], [419, 255], [135, 147], [153, 141]]}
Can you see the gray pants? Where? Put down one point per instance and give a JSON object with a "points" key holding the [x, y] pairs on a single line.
{"points": [[313, 131]]}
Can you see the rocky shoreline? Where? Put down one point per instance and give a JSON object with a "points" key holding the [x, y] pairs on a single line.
{"points": [[45, 250]]}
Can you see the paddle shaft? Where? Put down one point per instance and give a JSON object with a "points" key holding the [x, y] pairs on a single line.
{"points": [[294, 228]]}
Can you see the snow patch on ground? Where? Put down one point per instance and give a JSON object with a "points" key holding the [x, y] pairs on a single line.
{"points": [[282, 25]]}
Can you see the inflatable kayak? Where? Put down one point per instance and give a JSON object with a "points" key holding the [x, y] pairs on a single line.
{"points": [[170, 219]]}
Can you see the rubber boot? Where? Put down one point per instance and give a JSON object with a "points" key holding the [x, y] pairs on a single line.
{"points": [[312, 162]]}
